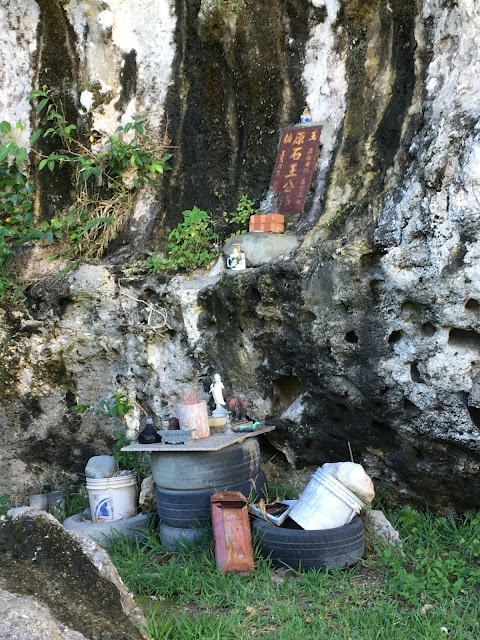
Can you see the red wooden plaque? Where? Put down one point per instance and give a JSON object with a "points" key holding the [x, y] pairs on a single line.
{"points": [[296, 160]]}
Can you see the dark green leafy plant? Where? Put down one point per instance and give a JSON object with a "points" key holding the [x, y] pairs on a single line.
{"points": [[238, 219], [4, 500], [17, 198], [194, 242], [191, 244]]}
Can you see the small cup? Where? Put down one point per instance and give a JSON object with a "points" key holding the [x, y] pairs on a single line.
{"points": [[55, 500], [38, 501]]}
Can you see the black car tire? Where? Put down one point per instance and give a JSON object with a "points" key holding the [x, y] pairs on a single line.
{"points": [[177, 539], [205, 469], [190, 509], [320, 549]]}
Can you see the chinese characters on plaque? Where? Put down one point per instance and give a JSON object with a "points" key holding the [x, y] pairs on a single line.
{"points": [[293, 172]]}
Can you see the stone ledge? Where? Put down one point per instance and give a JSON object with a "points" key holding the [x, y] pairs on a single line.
{"points": [[262, 248]]}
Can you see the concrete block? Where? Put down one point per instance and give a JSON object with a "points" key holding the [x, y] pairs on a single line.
{"points": [[263, 248]]}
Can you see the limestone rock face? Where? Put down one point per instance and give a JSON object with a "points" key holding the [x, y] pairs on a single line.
{"points": [[69, 583], [366, 337]]}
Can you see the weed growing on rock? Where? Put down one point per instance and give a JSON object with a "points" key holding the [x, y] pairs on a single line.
{"points": [[190, 244], [333, 219], [4, 500], [194, 242], [239, 218], [117, 406], [106, 177]]}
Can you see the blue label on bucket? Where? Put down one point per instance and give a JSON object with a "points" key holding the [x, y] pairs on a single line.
{"points": [[104, 509]]}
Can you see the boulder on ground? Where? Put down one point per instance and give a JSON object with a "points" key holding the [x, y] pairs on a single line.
{"points": [[68, 581], [380, 527]]}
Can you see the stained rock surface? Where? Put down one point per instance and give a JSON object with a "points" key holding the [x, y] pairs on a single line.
{"points": [[60, 585], [366, 336]]}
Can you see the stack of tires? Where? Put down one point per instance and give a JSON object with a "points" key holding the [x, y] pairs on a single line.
{"points": [[186, 481]]}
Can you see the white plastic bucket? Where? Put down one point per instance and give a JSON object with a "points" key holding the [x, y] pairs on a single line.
{"points": [[325, 504], [112, 498]]}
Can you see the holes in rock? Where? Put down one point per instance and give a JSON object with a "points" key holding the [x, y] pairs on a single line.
{"points": [[394, 337], [379, 426], [205, 321], [252, 296], [474, 415], [418, 454], [351, 337], [70, 399], [384, 436], [415, 374], [409, 407], [305, 316], [428, 329], [311, 444], [285, 391], [472, 305], [409, 311], [464, 339]]}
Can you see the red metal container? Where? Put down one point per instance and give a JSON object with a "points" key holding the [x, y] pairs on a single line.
{"points": [[231, 529]]}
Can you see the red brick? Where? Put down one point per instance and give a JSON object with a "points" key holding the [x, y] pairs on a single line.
{"points": [[267, 222]]}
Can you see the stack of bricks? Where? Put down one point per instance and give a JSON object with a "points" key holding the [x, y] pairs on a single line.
{"points": [[269, 222]]}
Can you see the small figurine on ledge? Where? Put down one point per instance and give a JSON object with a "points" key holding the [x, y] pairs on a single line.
{"points": [[306, 115], [238, 409], [216, 389]]}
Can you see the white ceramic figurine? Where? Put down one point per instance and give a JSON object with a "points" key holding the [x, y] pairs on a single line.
{"points": [[216, 389]]}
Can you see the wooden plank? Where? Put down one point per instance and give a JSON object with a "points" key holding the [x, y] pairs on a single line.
{"points": [[212, 443]]}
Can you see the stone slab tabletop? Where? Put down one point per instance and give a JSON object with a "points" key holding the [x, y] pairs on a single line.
{"points": [[212, 443]]}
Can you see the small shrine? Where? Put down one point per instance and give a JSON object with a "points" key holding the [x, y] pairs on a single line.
{"points": [[292, 174]]}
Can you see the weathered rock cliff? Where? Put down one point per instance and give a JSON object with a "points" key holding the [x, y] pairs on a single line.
{"points": [[368, 335]]}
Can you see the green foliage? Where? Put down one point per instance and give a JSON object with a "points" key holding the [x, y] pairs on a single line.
{"points": [[75, 500], [441, 559], [191, 244], [116, 406], [105, 177], [191, 599], [333, 219], [130, 460], [240, 217], [194, 242], [126, 150], [4, 500], [17, 197]]}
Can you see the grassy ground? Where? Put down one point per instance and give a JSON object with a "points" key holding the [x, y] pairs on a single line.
{"points": [[430, 591]]}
